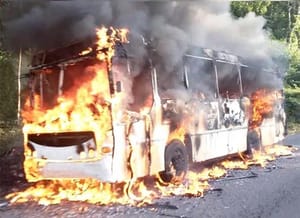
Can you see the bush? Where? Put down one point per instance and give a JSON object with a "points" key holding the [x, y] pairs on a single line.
{"points": [[10, 136], [292, 99]]}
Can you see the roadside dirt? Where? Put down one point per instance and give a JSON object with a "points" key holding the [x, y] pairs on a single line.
{"points": [[11, 171]]}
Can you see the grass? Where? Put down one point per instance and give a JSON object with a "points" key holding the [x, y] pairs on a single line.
{"points": [[293, 128]]}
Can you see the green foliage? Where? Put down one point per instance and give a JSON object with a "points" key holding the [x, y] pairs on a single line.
{"points": [[279, 15], [8, 81], [292, 97], [283, 22], [8, 88], [294, 45], [241, 8], [293, 77], [292, 80]]}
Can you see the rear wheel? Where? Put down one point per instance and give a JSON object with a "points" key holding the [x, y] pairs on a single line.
{"points": [[176, 162], [253, 140]]}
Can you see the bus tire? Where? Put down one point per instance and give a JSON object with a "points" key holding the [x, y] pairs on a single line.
{"points": [[176, 162], [253, 141]]}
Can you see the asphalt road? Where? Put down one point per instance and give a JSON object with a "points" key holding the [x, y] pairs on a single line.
{"points": [[292, 140], [274, 192]]}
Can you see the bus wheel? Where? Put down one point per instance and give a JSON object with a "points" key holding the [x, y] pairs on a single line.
{"points": [[176, 162], [253, 140]]}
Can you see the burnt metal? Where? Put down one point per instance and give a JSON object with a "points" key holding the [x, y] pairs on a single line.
{"points": [[4, 205], [171, 215], [162, 206], [252, 175], [72, 53], [59, 54], [61, 139], [215, 190]]}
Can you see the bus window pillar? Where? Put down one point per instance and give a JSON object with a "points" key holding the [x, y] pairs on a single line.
{"points": [[61, 80], [240, 79], [217, 91]]}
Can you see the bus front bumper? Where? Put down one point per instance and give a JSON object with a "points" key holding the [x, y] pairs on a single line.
{"points": [[40, 169]]}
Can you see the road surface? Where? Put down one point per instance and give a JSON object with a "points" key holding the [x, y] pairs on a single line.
{"points": [[274, 192]]}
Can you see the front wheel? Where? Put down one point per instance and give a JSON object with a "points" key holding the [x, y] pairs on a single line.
{"points": [[176, 162]]}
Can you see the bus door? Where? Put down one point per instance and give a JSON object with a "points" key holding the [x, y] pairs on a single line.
{"points": [[133, 100], [233, 119]]}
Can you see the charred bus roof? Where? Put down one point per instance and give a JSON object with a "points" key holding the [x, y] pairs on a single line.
{"points": [[218, 56], [72, 53]]}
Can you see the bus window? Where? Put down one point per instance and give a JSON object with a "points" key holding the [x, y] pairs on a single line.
{"points": [[200, 76], [254, 78], [169, 79], [50, 87], [249, 76], [229, 80], [141, 89], [76, 74], [43, 85]]}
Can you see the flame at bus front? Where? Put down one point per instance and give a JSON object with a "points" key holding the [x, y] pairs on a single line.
{"points": [[85, 107], [107, 38]]}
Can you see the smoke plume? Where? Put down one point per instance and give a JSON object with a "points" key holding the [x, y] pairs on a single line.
{"points": [[173, 25]]}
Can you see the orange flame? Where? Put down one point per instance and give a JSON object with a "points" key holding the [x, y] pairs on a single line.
{"points": [[178, 133], [75, 110], [263, 102], [83, 108], [141, 191], [74, 113], [107, 39]]}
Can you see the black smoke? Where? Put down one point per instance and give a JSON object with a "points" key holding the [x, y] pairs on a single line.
{"points": [[173, 25]]}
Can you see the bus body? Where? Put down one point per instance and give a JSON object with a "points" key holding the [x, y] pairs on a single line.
{"points": [[155, 129]]}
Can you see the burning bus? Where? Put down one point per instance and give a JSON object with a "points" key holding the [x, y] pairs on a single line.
{"points": [[94, 110]]}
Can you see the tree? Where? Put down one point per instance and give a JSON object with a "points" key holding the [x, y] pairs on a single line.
{"points": [[2, 4], [240, 9], [293, 78], [8, 82], [8, 88], [294, 45], [280, 15], [283, 22]]}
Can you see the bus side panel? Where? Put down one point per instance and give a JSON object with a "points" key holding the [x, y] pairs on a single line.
{"points": [[272, 131], [209, 145], [219, 143], [120, 154], [139, 157], [238, 140], [100, 169], [159, 139]]}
